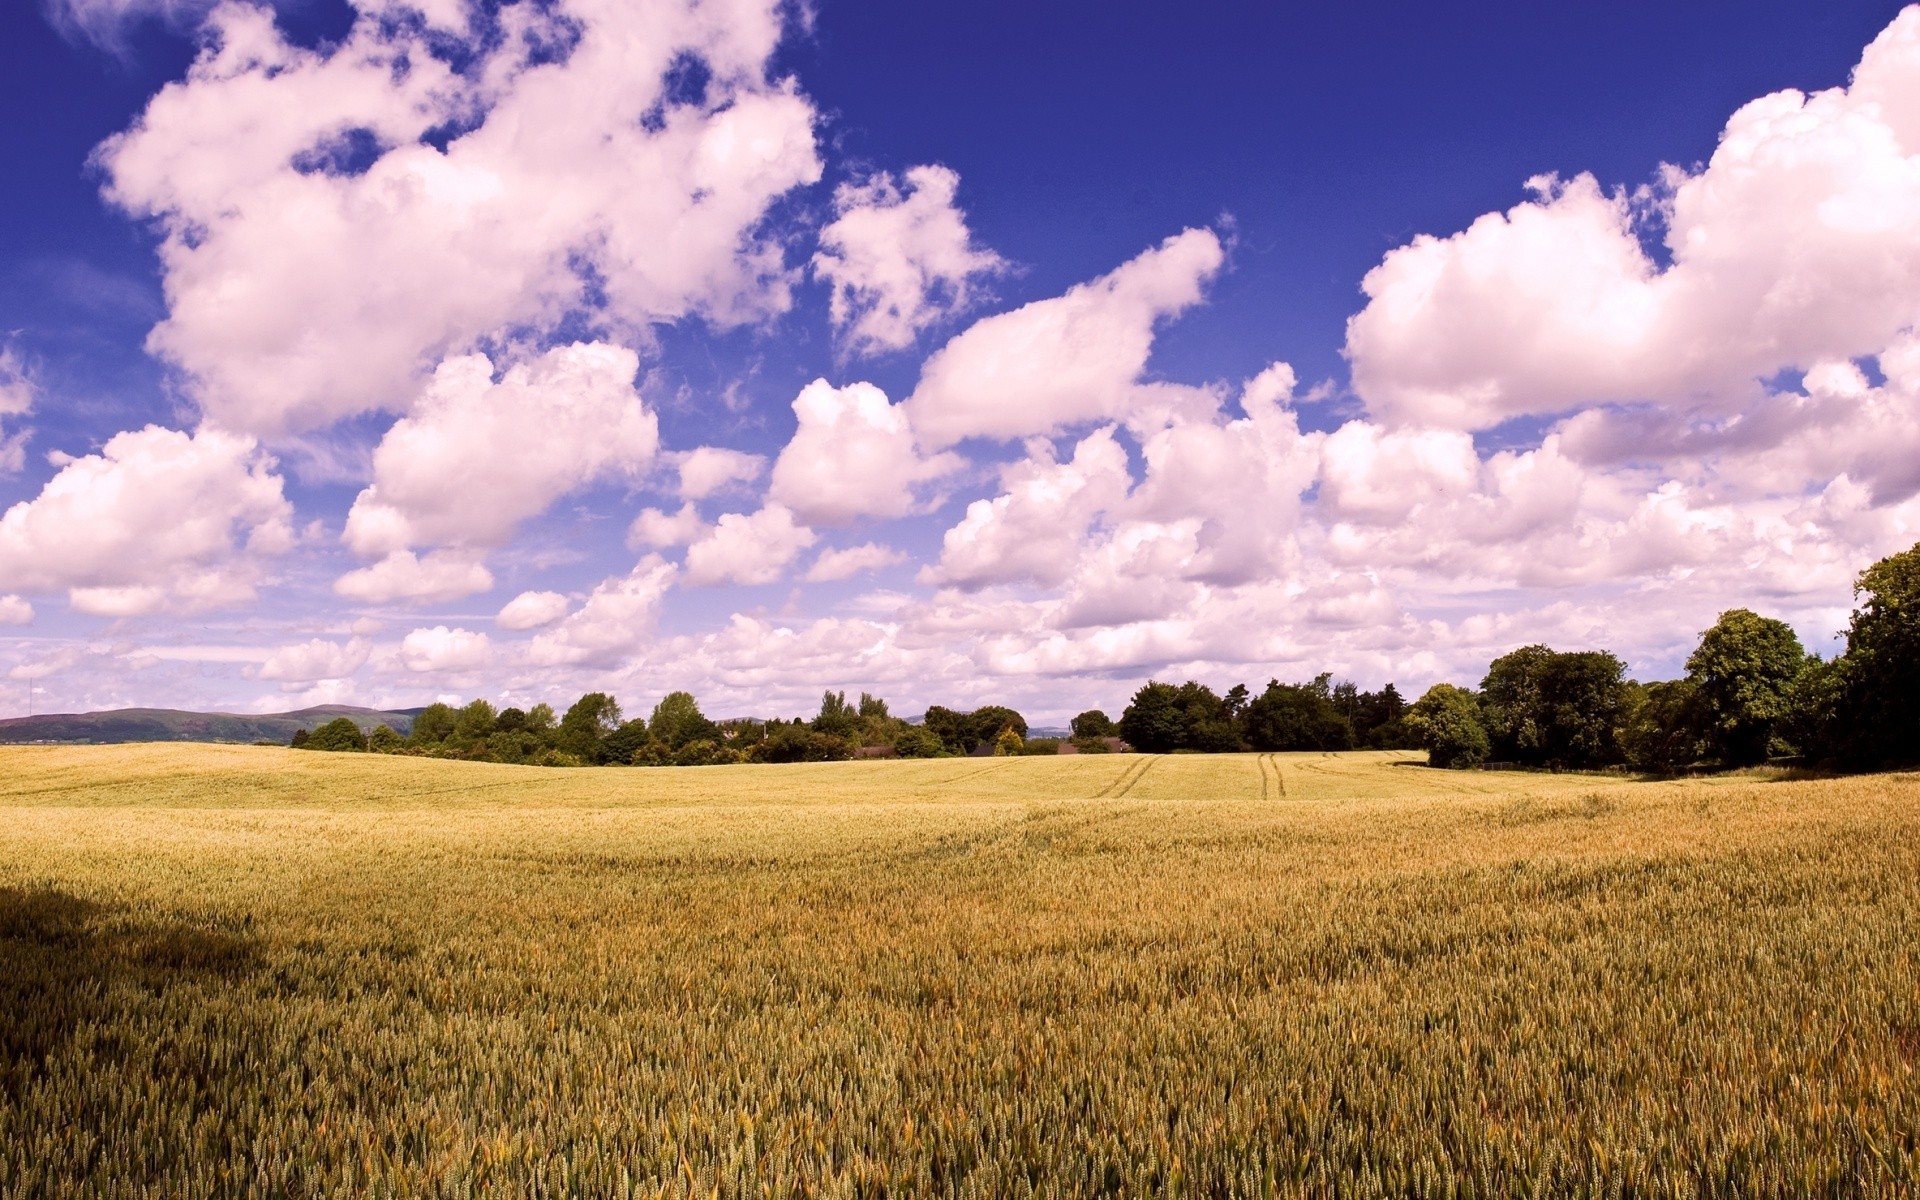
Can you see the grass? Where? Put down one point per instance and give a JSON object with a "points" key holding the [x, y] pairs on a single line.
{"points": [[240, 971]]}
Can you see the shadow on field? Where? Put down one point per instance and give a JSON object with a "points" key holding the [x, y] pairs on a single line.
{"points": [[64, 967]]}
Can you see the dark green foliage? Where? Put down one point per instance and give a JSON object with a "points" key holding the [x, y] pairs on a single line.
{"points": [[1094, 724], [677, 720], [988, 722], [1878, 702], [1040, 746], [433, 726], [1665, 726], [1743, 671], [300, 738], [1447, 721], [917, 741], [1301, 716], [473, 724], [1162, 718], [1547, 708], [837, 718], [383, 740], [797, 742], [584, 730], [338, 734], [621, 745]]}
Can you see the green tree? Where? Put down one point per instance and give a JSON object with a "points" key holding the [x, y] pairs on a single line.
{"points": [[1304, 716], [300, 739], [1009, 743], [1547, 708], [432, 726], [1093, 724], [383, 740], [1448, 723], [1743, 672], [677, 720], [986, 723], [583, 731], [473, 723], [1665, 728], [950, 727], [1878, 698], [338, 734], [917, 741], [837, 718], [621, 745], [1153, 721]]}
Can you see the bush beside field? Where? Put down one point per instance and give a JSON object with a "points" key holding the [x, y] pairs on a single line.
{"points": [[230, 971]]}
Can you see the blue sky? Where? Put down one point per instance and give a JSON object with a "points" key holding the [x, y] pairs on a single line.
{"points": [[1071, 246]]}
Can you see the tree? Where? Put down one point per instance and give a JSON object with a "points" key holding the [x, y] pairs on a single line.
{"points": [[1093, 724], [917, 741], [300, 739], [677, 720], [1743, 673], [986, 723], [1302, 716], [621, 745], [383, 740], [1664, 728], [433, 726], [1152, 722], [338, 734], [837, 718], [473, 723], [1547, 708], [584, 730], [1009, 743], [1447, 722], [1878, 702], [950, 727]]}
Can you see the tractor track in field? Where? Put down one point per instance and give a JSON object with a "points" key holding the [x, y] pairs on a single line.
{"points": [[1127, 778], [1276, 789]]}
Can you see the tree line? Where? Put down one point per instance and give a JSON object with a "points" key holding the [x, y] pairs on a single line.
{"points": [[1751, 693], [594, 731]]}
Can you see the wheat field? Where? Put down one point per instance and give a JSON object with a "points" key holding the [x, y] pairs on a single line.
{"points": [[235, 971]]}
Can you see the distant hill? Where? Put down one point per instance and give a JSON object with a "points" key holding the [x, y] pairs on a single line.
{"points": [[173, 725]]}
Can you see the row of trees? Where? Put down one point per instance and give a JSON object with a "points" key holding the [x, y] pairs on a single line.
{"points": [[1751, 692], [595, 732], [1318, 715]]}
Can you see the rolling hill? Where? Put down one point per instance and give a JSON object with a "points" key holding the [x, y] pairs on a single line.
{"points": [[174, 725]]}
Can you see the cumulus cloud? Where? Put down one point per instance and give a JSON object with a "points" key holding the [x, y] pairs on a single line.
{"points": [[16, 400], [404, 575], [1798, 242], [15, 611], [531, 610], [315, 660], [899, 257], [853, 455], [1033, 530], [1055, 363], [477, 456], [657, 529], [157, 519], [325, 241], [854, 560], [443, 649], [614, 624], [707, 470], [749, 549]]}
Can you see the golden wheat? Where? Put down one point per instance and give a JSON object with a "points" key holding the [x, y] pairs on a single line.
{"points": [[240, 971]]}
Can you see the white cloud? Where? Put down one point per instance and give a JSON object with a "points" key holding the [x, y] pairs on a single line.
{"points": [[16, 400], [105, 22], [158, 518], [315, 660], [531, 610], [1798, 242], [444, 649], [403, 575], [749, 549], [854, 560], [1034, 529], [15, 611], [1069, 360], [477, 457], [853, 455], [898, 257], [318, 255], [658, 529], [706, 470], [614, 624]]}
